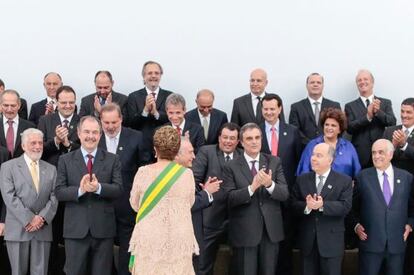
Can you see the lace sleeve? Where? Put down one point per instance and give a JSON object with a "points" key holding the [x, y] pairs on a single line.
{"points": [[136, 186]]}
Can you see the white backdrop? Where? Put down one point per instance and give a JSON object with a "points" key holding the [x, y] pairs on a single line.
{"points": [[210, 44]]}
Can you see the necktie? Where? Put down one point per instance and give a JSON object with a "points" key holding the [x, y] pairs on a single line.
{"points": [[103, 100], [227, 158], [320, 185], [66, 124], [253, 169], [367, 102], [407, 133], [274, 142], [258, 109], [10, 137], [205, 127], [153, 94], [89, 165], [179, 131], [386, 189], [317, 112], [35, 177]]}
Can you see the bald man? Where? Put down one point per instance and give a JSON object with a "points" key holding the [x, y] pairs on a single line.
{"points": [[368, 115], [211, 119], [247, 108], [51, 82], [23, 106]]}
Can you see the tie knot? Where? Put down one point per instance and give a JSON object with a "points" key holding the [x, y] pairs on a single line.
{"points": [[253, 162], [33, 163], [10, 122], [385, 174], [258, 98], [153, 94], [89, 156], [273, 129], [321, 178], [316, 103]]}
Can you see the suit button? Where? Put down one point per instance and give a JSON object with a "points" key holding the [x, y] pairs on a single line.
{"points": [[316, 219], [89, 206], [261, 203]]}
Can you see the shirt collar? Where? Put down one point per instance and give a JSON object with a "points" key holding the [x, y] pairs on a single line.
{"points": [[312, 101], [116, 137], [49, 99], [149, 91], [364, 99], [62, 118], [269, 126], [249, 159], [201, 115], [325, 175], [29, 160], [84, 152], [389, 171], [254, 97], [15, 119], [410, 129], [230, 155]]}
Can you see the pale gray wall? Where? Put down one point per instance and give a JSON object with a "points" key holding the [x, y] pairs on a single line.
{"points": [[210, 44]]}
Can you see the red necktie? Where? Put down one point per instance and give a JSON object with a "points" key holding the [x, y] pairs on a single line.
{"points": [[89, 164], [274, 142], [179, 131], [66, 124], [10, 137]]}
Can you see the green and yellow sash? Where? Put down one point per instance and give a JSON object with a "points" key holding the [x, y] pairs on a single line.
{"points": [[156, 192]]}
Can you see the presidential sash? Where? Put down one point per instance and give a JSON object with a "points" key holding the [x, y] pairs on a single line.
{"points": [[155, 192]]}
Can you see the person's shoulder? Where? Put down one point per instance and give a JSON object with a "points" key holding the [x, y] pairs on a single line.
{"points": [[340, 177], [242, 98], [39, 103], [298, 103], [88, 97], [138, 92], [26, 123]]}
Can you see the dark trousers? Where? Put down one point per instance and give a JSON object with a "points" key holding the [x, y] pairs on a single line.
{"points": [[4, 258], [55, 262], [89, 251], [315, 264], [370, 263], [409, 256], [212, 239], [260, 259]]}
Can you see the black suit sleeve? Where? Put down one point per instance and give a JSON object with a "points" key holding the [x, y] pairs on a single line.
{"points": [[113, 189], [342, 205], [280, 192], [201, 201], [23, 109], [200, 166], [386, 115]]}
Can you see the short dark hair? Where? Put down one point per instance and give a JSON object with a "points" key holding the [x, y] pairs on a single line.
{"points": [[230, 126], [248, 126], [336, 114], [64, 88], [312, 74], [107, 73], [269, 97], [149, 63], [408, 101], [1, 83]]}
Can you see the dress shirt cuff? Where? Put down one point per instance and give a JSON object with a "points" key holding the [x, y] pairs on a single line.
{"points": [[57, 145], [210, 197], [98, 192], [404, 147], [157, 115], [356, 226], [271, 188], [307, 211], [249, 188], [144, 114], [80, 193], [369, 119]]}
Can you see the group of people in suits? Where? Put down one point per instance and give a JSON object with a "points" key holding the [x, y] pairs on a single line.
{"points": [[250, 187]]}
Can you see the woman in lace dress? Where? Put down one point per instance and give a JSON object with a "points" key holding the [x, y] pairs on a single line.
{"points": [[163, 241]]}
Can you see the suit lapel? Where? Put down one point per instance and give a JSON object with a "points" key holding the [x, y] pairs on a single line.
{"points": [[375, 184], [308, 108], [2, 136], [283, 138], [123, 141], [80, 162], [265, 142], [311, 187], [24, 169], [220, 156], [42, 176], [102, 142], [398, 187], [160, 98], [249, 106], [245, 169], [328, 186], [97, 164]]}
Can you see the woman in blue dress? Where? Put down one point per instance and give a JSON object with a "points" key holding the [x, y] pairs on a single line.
{"points": [[346, 159]]}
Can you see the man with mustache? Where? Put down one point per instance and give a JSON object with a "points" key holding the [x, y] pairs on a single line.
{"points": [[89, 181], [27, 186]]}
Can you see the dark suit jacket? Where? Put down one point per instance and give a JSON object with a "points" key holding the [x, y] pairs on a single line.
{"points": [[217, 119], [302, 116], [210, 162], [147, 125], [327, 226], [383, 224], [47, 124], [87, 108], [196, 133], [23, 125], [364, 132], [243, 112], [23, 109], [4, 156], [37, 110], [249, 215], [91, 212], [130, 154], [289, 149], [402, 159]]}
